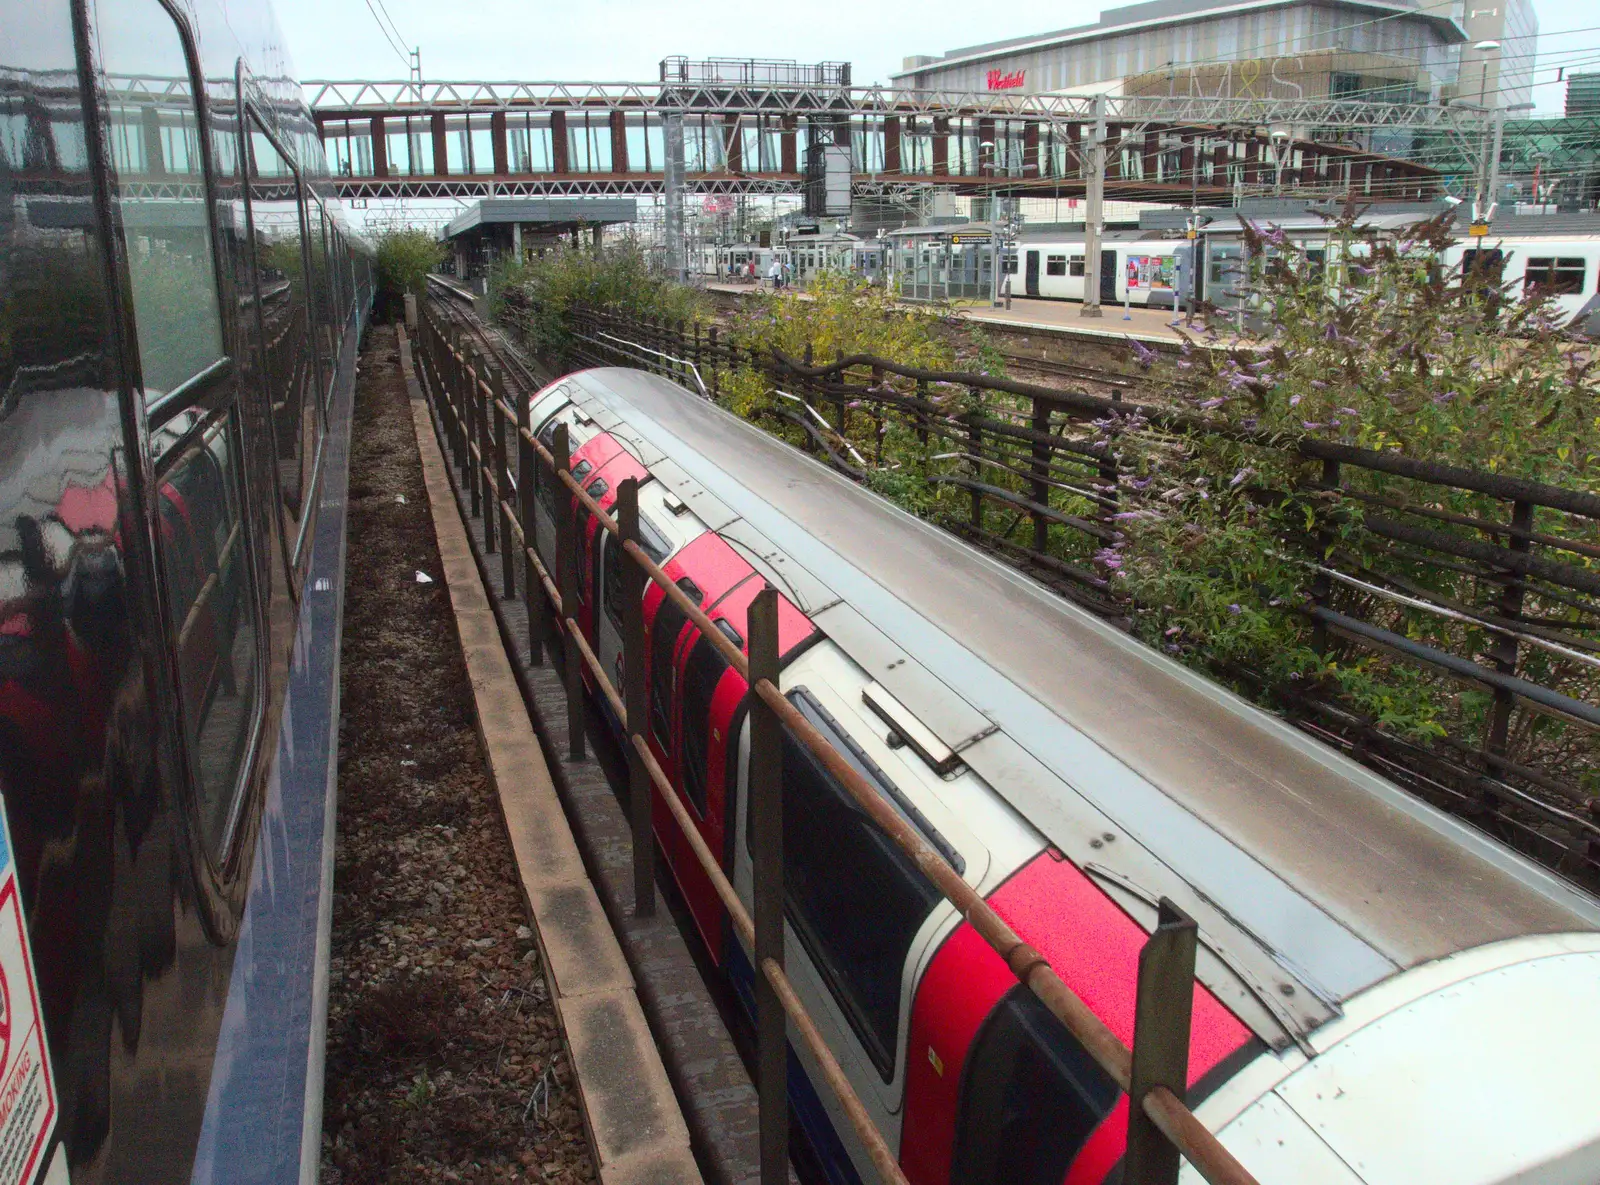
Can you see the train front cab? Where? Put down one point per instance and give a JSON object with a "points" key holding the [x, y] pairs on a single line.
{"points": [[959, 1067]]}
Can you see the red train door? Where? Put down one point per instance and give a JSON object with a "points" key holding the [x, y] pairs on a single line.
{"points": [[710, 692]]}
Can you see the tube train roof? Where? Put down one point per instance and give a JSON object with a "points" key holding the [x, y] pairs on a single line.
{"points": [[1311, 877]]}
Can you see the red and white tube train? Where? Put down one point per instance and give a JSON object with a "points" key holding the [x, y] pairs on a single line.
{"points": [[1382, 995]]}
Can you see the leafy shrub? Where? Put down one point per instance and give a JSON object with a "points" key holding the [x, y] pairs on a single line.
{"points": [[405, 257], [535, 297]]}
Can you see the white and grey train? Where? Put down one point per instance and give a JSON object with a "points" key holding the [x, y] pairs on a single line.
{"points": [[1140, 268]]}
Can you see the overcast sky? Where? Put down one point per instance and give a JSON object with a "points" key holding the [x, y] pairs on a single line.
{"points": [[624, 40]]}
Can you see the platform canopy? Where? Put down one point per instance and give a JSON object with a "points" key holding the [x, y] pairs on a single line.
{"points": [[543, 215]]}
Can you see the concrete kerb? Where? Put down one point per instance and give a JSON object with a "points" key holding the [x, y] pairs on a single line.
{"points": [[635, 1125]]}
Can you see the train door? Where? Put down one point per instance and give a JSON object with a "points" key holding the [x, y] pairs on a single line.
{"points": [[710, 699], [608, 640], [1108, 275], [857, 909], [1031, 278]]}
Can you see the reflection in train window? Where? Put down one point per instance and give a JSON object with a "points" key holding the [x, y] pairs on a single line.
{"points": [[154, 138], [210, 605], [280, 280]]}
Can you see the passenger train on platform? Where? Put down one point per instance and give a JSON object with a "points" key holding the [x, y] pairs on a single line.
{"points": [[1382, 994], [180, 305], [1150, 270]]}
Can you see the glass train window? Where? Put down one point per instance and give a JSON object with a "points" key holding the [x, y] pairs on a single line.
{"points": [[1483, 265], [154, 133], [654, 546], [668, 624], [202, 531], [1055, 265], [1555, 276], [210, 604], [275, 229], [854, 898], [325, 328], [701, 675], [1030, 1097]]}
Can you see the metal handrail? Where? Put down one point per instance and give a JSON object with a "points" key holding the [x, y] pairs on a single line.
{"points": [[1159, 1104]]}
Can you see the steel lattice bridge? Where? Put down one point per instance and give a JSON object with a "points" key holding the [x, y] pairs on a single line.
{"points": [[466, 140]]}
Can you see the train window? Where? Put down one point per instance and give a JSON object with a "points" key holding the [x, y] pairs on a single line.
{"points": [[1483, 265], [597, 488], [1030, 1097], [855, 899], [209, 590], [325, 327], [210, 603], [654, 546], [664, 630], [1555, 276], [1055, 265], [701, 675], [1075, 266], [154, 132], [274, 213]]}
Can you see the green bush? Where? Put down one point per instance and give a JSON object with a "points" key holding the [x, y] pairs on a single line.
{"points": [[535, 297], [405, 257]]}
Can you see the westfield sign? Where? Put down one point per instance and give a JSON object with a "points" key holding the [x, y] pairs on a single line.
{"points": [[999, 80]]}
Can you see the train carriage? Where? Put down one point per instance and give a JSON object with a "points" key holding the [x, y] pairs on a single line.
{"points": [[179, 319], [1375, 980]]}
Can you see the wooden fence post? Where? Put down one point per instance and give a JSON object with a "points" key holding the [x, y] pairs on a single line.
{"points": [[766, 806], [1162, 1014], [486, 418], [533, 599], [1503, 650], [1040, 468], [636, 701], [502, 479], [974, 452], [567, 544], [716, 363]]}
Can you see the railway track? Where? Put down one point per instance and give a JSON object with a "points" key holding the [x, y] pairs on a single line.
{"points": [[459, 307]]}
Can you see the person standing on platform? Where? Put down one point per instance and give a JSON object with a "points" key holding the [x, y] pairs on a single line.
{"points": [[775, 274]]}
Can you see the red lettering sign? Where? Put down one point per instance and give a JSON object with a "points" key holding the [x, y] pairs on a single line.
{"points": [[999, 80]]}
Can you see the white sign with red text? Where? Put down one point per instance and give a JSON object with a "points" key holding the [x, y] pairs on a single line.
{"points": [[27, 1091]]}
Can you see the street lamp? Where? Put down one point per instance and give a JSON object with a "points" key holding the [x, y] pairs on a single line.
{"points": [[1485, 48]]}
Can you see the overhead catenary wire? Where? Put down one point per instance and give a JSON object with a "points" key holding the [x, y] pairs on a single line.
{"points": [[387, 36]]}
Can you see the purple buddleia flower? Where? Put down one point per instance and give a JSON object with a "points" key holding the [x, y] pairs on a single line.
{"points": [[1209, 404], [1235, 609], [1294, 400], [1240, 476], [1443, 397], [1319, 384], [1309, 426], [1144, 354], [1348, 411]]}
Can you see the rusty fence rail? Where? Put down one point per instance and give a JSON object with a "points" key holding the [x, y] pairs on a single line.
{"points": [[1508, 587], [491, 442]]}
